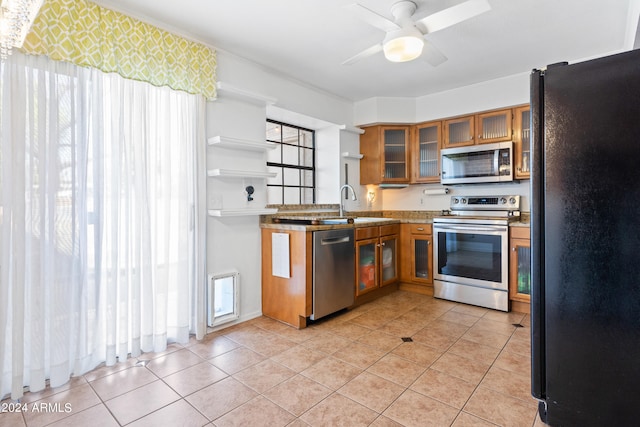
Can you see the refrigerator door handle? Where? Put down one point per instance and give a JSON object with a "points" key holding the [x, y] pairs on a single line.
{"points": [[538, 373]]}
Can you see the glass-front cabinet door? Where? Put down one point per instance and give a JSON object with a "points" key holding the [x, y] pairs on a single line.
{"points": [[385, 151], [395, 154], [421, 259], [388, 259], [520, 265], [459, 132], [367, 265], [494, 126], [522, 142], [426, 152]]}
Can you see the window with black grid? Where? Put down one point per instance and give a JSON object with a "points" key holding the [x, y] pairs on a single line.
{"points": [[294, 162]]}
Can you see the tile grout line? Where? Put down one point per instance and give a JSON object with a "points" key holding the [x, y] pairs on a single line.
{"points": [[329, 332]]}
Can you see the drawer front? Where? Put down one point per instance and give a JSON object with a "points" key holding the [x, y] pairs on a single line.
{"points": [[420, 228], [520, 232], [367, 233], [386, 230]]}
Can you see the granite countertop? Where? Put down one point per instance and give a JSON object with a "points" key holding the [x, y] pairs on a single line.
{"points": [[382, 218], [361, 218], [525, 220]]}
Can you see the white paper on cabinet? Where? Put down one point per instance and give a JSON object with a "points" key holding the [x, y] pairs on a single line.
{"points": [[280, 255]]}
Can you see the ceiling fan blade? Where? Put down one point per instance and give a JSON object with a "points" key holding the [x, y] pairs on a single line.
{"points": [[371, 17], [432, 55], [453, 15], [367, 52]]}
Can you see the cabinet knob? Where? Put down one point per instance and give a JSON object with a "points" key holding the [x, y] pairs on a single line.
{"points": [[513, 249]]}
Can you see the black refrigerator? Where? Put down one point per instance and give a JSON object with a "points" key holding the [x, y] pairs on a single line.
{"points": [[585, 237]]}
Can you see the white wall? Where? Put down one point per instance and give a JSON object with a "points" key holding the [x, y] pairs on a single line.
{"points": [[234, 243], [327, 160], [293, 96], [385, 110], [350, 143], [504, 92]]}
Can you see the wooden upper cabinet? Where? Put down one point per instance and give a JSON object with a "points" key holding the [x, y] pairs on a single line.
{"points": [[459, 131], [386, 154], [494, 126], [402, 154], [522, 142], [481, 128], [425, 152]]}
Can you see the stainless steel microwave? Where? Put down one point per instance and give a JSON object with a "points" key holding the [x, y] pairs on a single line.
{"points": [[477, 163]]}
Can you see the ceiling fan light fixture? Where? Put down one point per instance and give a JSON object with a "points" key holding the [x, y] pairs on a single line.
{"points": [[403, 45]]}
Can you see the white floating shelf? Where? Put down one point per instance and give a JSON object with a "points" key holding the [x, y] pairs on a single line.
{"points": [[231, 91], [241, 212], [348, 155], [240, 144], [240, 173]]}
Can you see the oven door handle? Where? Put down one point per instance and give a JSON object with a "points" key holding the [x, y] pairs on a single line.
{"points": [[469, 228]]}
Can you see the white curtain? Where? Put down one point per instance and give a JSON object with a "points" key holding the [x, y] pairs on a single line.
{"points": [[102, 220]]}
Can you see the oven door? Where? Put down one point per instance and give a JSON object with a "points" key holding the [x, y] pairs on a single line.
{"points": [[471, 254]]}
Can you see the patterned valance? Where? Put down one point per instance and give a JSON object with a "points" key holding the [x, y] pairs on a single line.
{"points": [[86, 34]]}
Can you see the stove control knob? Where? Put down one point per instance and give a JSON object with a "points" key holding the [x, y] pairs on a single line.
{"points": [[512, 200], [464, 201], [456, 201], [503, 200]]}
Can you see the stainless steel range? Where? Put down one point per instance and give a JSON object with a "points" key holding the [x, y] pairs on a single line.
{"points": [[472, 250]]}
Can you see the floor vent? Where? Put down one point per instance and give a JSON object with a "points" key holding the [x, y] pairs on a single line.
{"points": [[407, 339]]}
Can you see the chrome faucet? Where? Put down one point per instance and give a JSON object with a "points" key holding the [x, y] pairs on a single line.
{"points": [[353, 193]]}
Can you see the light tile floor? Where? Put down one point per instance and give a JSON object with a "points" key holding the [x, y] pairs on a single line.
{"points": [[466, 366]]}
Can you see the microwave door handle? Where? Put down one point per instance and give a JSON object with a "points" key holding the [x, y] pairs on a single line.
{"points": [[496, 162]]}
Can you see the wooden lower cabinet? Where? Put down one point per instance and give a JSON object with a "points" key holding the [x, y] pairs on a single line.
{"points": [[416, 258], [520, 269], [388, 257], [376, 258], [288, 299]]}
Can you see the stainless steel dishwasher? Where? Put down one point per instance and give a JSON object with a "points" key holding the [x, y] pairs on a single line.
{"points": [[333, 271]]}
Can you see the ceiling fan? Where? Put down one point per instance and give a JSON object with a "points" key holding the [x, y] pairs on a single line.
{"points": [[404, 39]]}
